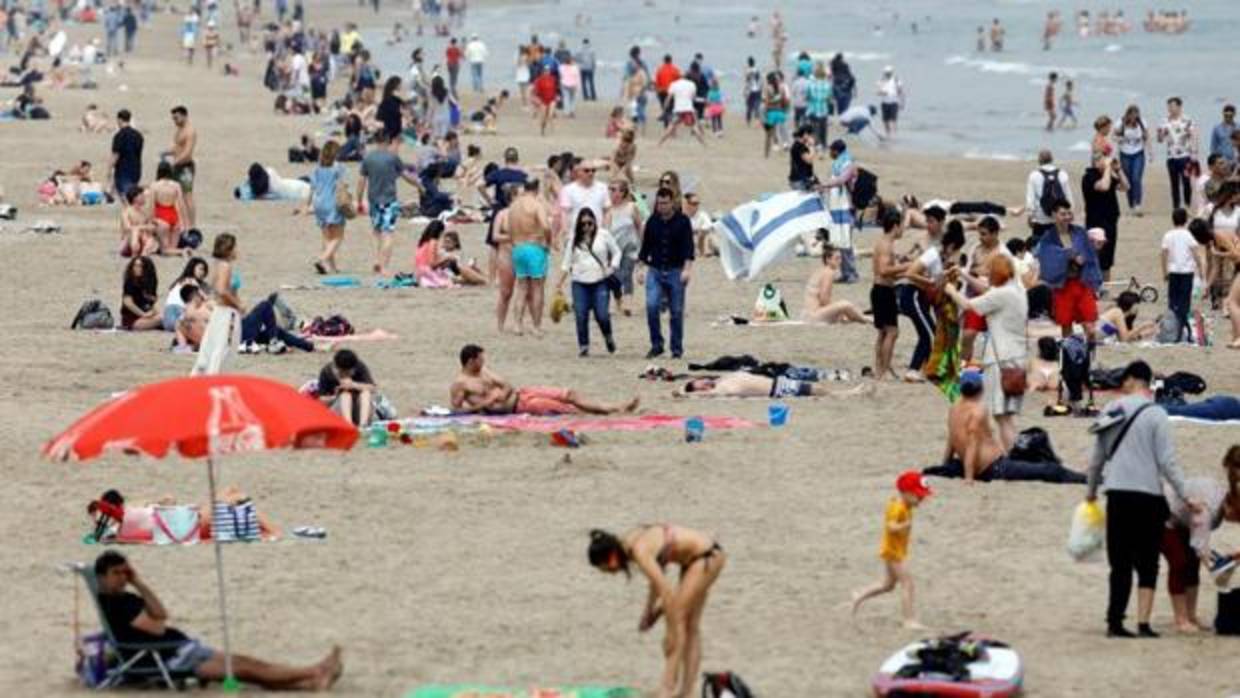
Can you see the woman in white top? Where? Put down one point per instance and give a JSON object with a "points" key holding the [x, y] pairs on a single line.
{"points": [[1133, 139], [624, 222], [1006, 310], [1223, 281], [590, 258]]}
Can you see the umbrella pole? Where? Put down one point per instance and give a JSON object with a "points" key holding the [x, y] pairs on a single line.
{"points": [[230, 681]]}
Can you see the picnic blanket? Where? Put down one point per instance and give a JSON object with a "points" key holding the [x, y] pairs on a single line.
{"points": [[485, 691], [577, 423]]}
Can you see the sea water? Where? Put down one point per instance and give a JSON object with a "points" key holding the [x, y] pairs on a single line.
{"points": [[959, 101]]}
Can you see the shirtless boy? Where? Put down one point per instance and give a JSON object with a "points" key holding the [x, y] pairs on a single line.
{"points": [[974, 453], [818, 304], [528, 226], [744, 384], [478, 390], [184, 141], [193, 321], [883, 293]]}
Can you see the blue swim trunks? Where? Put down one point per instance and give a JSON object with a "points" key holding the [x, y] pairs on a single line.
{"points": [[529, 260], [383, 217]]}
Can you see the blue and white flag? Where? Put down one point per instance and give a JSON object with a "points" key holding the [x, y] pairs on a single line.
{"points": [[758, 233]]}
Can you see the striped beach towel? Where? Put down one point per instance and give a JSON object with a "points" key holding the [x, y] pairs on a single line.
{"points": [[758, 233]]}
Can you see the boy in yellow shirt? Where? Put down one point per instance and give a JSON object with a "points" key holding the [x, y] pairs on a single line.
{"points": [[897, 525]]}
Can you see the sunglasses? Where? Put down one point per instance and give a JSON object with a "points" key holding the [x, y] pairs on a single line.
{"points": [[588, 170]]}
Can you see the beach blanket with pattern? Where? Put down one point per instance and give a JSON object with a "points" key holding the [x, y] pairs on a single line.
{"points": [[483, 691]]}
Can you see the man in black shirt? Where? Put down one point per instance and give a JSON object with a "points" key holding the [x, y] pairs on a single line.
{"points": [[667, 249], [142, 618], [126, 165], [801, 156], [347, 387]]}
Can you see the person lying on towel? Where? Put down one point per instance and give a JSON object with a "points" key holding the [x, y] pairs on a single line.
{"points": [[108, 515], [972, 451], [139, 616], [743, 384], [479, 391]]}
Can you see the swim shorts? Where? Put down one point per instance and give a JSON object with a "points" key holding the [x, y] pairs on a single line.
{"points": [[1074, 302], [544, 401], [383, 217], [686, 118], [189, 656], [774, 117], [789, 387], [883, 304], [890, 111], [172, 314], [974, 322], [529, 260], [184, 175]]}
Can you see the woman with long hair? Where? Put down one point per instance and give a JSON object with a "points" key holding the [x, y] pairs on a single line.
{"points": [[624, 222], [652, 549], [194, 274], [439, 111], [223, 333], [139, 296], [591, 258], [1133, 139], [391, 108], [428, 262]]}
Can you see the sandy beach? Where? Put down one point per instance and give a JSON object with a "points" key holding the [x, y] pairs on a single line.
{"points": [[471, 565]]}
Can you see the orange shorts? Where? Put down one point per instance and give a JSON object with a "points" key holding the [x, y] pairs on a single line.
{"points": [[544, 401], [974, 322]]}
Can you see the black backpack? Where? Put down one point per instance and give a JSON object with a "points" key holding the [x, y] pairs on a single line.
{"points": [[260, 182], [1033, 445], [334, 326], [864, 188], [1185, 382], [93, 315], [724, 685], [1052, 190]]}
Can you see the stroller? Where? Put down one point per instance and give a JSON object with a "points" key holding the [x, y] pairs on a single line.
{"points": [[1075, 357]]}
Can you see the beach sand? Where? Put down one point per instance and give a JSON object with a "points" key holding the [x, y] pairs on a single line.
{"points": [[470, 565]]}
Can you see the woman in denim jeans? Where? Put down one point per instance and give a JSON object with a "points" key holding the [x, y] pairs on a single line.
{"points": [[1133, 140], [590, 257]]}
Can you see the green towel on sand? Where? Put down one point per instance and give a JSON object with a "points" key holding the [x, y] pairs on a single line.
{"points": [[484, 691]]}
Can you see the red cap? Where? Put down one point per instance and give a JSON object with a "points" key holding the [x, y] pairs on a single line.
{"points": [[912, 482]]}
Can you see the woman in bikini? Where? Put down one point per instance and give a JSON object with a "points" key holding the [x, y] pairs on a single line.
{"points": [[652, 548], [168, 206], [819, 307]]}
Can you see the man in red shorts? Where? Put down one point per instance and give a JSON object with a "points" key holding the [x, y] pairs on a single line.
{"points": [[681, 93], [975, 277], [546, 90], [478, 390], [1069, 266]]}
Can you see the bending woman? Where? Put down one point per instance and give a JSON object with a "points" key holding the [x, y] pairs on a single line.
{"points": [[652, 548]]}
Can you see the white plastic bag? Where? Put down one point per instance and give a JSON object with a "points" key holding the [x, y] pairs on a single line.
{"points": [[1088, 532]]}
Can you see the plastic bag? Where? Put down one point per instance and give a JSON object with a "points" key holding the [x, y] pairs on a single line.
{"points": [[1087, 533]]}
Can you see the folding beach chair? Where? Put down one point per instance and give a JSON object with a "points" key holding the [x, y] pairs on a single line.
{"points": [[128, 667]]}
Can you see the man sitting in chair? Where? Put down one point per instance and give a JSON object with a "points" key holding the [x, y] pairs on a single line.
{"points": [[141, 618]]}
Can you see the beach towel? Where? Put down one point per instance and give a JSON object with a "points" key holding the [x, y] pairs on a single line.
{"points": [[943, 366], [576, 423], [759, 233], [220, 339], [555, 691], [840, 213], [371, 336]]}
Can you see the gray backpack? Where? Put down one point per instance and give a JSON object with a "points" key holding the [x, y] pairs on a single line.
{"points": [[1170, 331], [93, 315]]}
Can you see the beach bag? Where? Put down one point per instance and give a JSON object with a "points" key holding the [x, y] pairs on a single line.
{"points": [[190, 239], [234, 522], [1185, 382], [344, 201], [864, 189], [1012, 378], [1227, 622], [333, 326], [93, 315], [724, 685], [1074, 366], [770, 305], [1106, 378], [1052, 191], [95, 659], [1088, 531], [175, 525], [1169, 329], [559, 306], [1033, 445]]}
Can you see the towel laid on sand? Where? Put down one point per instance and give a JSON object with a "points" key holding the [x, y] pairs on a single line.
{"points": [[485, 691], [577, 423]]}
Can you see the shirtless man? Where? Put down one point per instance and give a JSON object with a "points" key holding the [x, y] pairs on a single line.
{"points": [[977, 283], [169, 209], [744, 384], [818, 305], [883, 293], [477, 390], [528, 226], [184, 141], [972, 451]]}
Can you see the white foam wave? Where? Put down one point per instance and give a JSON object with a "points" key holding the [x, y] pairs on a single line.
{"points": [[974, 154], [986, 65]]}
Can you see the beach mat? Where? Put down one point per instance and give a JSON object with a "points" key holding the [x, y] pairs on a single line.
{"points": [[486, 691], [576, 423]]}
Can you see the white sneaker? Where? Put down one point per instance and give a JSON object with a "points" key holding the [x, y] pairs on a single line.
{"points": [[276, 346]]}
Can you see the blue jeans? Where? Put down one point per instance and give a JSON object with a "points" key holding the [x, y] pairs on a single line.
{"points": [[591, 297], [260, 326], [1180, 299], [662, 283], [587, 86], [1134, 170], [1217, 408], [475, 74]]}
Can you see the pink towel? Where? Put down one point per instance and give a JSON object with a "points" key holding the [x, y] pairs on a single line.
{"points": [[646, 422]]}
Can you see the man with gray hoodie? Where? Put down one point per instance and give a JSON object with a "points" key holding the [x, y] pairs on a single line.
{"points": [[1133, 454]]}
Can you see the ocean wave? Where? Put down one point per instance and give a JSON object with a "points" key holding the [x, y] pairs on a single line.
{"points": [[974, 154], [986, 65], [854, 56], [1080, 147]]}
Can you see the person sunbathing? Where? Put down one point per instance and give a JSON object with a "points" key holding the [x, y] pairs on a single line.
{"points": [[138, 231], [968, 211], [478, 390], [93, 121], [972, 451], [744, 384], [108, 513], [141, 617], [818, 304], [1043, 370], [1120, 320]]}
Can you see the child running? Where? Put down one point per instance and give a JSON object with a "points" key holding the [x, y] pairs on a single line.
{"points": [[897, 526]]}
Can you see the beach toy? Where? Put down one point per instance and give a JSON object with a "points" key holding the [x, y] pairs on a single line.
{"points": [[340, 281], [377, 436], [991, 669], [695, 429], [777, 414], [565, 438]]}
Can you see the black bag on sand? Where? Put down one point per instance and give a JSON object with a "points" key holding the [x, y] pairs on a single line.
{"points": [[93, 315], [1033, 445], [724, 685], [864, 189], [1227, 622]]}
